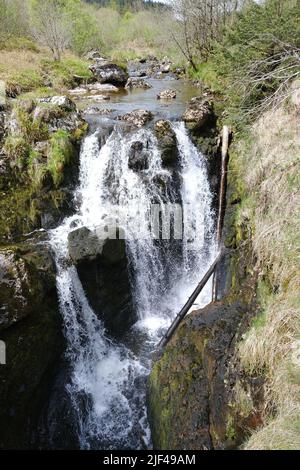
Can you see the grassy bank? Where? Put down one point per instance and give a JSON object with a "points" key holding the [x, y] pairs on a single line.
{"points": [[267, 166]]}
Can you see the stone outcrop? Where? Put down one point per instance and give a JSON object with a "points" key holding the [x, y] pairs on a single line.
{"points": [[138, 117], [167, 95], [109, 73], [136, 82], [103, 270], [167, 142], [190, 386], [138, 157], [38, 164], [198, 112], [30, 326]]}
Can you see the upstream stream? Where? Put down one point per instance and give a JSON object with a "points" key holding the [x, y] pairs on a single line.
{"points": [[106, 377]]}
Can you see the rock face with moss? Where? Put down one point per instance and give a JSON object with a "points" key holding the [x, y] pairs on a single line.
{"points": [[39, 147], [190, 385], [30, 326], [40, 155]]}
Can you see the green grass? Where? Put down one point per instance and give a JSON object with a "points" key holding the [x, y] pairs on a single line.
{"points": [[60, 154], [25, 81], [62, 73]]}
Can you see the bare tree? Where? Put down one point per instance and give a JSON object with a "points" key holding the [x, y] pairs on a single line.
{"points": [[51, 25], [202, 22], [281, 68]]}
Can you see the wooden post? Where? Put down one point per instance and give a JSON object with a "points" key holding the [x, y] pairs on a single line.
{"points": [[222, 200], [168, 335]]}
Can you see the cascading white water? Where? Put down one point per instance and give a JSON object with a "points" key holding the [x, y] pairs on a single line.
{"points": [[107, 384]]}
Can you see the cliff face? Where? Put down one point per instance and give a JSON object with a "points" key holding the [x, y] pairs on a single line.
{"points": [[39, 144], [230, 375]]}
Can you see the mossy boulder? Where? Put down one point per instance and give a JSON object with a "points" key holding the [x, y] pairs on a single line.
{"points": [[198, 112], [39, 166]]}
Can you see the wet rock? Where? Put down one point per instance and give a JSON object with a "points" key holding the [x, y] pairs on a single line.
{"points": [[138, 157], [63, 102], [18, 292], [2, 125], [98, 97], [136, 82], [103, 270], [77, 91], [85, 245], [198, 112], [188, 391], [167, 142], [98, 110], [110, 73], [31, 328], [2, 95], [102, 87], [166, 95], [138, 117]]}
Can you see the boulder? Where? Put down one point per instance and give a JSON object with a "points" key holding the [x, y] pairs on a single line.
{"points": [[98, 110], [102, 87], [190, 385], [198, 112], [87, 245], [110, 73], [98, 97], [63, 102], [166, 68], [136, 82], [167, 142], [167, 95], [92, 55], [138, 117], [2, 95], [102, 267], [138, 157]]}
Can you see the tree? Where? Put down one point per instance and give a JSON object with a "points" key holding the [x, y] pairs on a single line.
{"points": [[202, 23], [13, 19], [51, 24]]}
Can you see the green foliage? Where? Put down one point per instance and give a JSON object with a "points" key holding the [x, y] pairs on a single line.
{"points": [[33, 130], [25, 81], [17, 149], [62, 73], [60, 154], [250, 62]]}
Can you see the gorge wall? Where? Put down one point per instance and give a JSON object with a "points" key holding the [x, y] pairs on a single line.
{"points": [[228, 377]]}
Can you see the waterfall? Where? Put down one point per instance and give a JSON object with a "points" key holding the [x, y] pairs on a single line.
{"points": [[107, 382]]}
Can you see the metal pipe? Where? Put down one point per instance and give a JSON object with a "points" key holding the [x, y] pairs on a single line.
{"points": [[168, 335]]}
